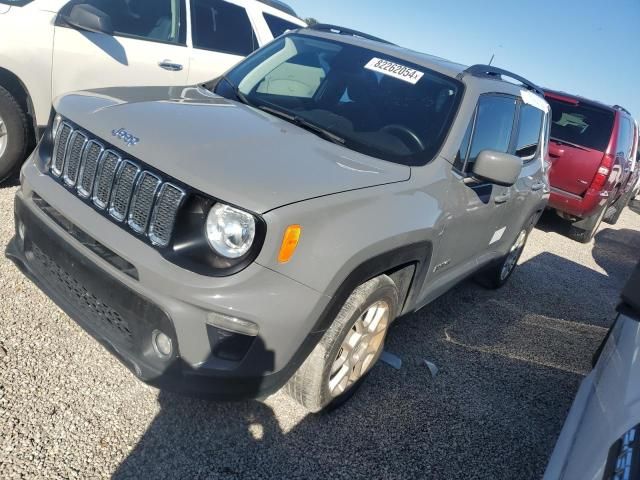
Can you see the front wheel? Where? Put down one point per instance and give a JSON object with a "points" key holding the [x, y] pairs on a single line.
{"points": [[349, 348], [497, 275]]}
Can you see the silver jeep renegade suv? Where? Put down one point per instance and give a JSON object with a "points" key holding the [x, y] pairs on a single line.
{"points": [[267, 228]]}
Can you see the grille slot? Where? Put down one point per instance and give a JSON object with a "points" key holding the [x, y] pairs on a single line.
{"points": [[60, 150], [122, 191], [104, 179], [73, 157], [142, 202], [169, 201], [87, 175], [121, 188]]}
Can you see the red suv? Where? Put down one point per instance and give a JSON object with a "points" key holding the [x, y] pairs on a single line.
{"points": [[593, 162]]}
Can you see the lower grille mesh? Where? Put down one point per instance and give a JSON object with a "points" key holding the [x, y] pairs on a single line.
{"points": [[101, 316]]}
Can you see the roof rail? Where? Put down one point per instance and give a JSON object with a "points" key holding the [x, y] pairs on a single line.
{"points": [[279, 5], [490, 71], [325, 27], [618, 107]]}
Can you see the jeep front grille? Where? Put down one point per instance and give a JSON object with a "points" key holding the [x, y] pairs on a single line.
{"points": [[120, 188]]}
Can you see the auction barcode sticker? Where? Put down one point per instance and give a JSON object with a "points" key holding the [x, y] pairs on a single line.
{"points": [[394, 70]]}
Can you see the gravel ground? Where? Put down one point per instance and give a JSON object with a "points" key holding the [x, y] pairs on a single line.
{"points": [[511, 362]]}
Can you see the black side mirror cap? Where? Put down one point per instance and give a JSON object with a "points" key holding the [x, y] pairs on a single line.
{"points": [[89, 18], [497, 167]]}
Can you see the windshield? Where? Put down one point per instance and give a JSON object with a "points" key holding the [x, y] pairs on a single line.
{"points": [[581, 124], [375, 104]]}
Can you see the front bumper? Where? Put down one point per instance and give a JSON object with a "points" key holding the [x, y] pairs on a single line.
{"points": [[122, 312]]}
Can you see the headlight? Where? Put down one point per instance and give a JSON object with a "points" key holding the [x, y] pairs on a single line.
{"points": [[230, 231]]}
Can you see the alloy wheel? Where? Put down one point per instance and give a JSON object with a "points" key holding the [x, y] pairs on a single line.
{"points": [[4, 138], [514, 254], [360, 349]]}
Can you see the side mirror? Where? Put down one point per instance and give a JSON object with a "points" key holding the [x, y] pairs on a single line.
{"points": [[89, 18], [497, 167]]}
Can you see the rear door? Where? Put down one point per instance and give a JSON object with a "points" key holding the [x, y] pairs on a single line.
{"points": [[147, 48], [222, 34], [530, 190], [580, 135]]}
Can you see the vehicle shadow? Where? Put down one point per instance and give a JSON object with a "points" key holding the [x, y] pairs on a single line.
{"points": [[510, 363], [12, 181]]}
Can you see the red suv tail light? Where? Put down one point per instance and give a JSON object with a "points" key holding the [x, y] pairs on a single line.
{"points": [[603, 173]]}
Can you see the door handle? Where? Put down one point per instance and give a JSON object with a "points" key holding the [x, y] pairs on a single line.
{"points": [[169, 65], [537, 186], [502, 198]]}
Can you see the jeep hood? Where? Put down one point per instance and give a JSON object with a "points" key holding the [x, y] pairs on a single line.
{"points": [[228, 150]]}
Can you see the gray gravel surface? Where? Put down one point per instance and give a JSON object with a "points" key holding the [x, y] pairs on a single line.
{"points": [[510, 363]]}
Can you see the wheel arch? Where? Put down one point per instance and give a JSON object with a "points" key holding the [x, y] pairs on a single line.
{"points": [[407, 265], [16, 87]]}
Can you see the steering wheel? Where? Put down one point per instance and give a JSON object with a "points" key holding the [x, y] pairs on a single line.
{"points": [[405, 134], [131, 10]]}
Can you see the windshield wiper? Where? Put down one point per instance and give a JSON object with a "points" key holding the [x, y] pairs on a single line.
{"points": [[236, 91], [306, 124]]}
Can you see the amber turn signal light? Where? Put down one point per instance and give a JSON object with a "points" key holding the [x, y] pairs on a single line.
{"points": [[289, 243]]}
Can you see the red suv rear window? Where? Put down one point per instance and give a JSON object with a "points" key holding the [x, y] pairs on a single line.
{"points": [[581, 124]]}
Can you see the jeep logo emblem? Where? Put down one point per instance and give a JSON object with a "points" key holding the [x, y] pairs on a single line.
{"points": [[125, 136]]}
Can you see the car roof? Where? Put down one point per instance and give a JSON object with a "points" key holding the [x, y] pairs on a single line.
{"points": [[492, 79], [438, 64]]}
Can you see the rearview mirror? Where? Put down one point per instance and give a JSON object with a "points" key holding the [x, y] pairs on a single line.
{"points": [[89, 18], [497, 167]]}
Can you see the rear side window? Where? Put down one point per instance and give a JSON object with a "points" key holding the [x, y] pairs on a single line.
{"points": [[529, 131], [626, 140], [278, 25], [492, 128], [582, 124], [223, 27]]}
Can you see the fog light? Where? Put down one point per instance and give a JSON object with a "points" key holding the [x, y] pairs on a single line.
{"points": [[233, 324], [21, 230], [162, 344]]}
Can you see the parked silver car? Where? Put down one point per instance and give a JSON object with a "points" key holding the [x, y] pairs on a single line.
{"points": [[268, 232], [600, 439]]}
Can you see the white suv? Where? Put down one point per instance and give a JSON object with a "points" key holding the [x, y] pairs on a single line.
{"points": [[50, 47]]}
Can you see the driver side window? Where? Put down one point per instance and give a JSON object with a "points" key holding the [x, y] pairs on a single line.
{"points": [[152, 20], [490, 129]]}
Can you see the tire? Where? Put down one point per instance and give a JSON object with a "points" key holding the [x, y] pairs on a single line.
{"points": [[612, 214], [310, 385], [586, 235], [14, 135], [498, 274]]}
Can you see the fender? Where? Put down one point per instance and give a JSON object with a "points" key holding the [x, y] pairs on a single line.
{"points": [[418, 254]]}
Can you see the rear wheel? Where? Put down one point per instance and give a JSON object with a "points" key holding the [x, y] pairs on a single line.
{"points": [[349, 348], [612, 215], [14, 135], [497, 275]]}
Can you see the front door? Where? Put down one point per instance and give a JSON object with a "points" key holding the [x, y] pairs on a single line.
{"points": [[148, 47], [475, 219]]}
